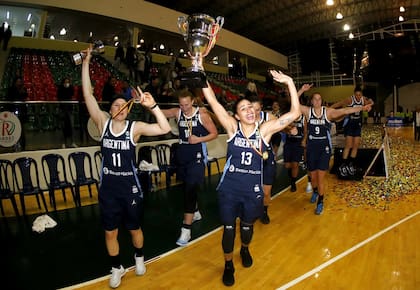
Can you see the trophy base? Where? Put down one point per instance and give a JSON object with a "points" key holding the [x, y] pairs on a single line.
{"points": [[194, 80]]}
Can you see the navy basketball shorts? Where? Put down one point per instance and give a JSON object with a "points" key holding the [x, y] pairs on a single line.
{"points": [[293, 152], [318, 156], [248, 207], [192, 172], [353, 128], [118, 209]]}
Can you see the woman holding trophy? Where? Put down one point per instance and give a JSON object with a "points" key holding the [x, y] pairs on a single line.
{"points": [[240, 190]]}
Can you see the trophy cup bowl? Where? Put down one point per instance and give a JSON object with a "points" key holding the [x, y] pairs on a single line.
{"points": [[98, 48], [199, 32]]}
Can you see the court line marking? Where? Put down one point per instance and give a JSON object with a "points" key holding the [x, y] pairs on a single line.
{"points": [[345, 253], [156, 258], [151, 260]]}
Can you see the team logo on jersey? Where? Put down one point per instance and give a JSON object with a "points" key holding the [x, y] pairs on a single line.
{"points": [[105, 170], [231, 168]]}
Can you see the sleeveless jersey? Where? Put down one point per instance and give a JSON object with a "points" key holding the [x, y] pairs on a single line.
{"points": [[354, 117], [118, 173], [242, 173], [319, 128], [188, 126], [299, 124]]}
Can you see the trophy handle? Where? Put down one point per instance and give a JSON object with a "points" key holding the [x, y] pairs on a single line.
{"points": [[183, 26], [214, 31]]}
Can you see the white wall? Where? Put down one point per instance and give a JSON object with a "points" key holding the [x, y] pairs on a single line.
{"points": [[409, 98]]}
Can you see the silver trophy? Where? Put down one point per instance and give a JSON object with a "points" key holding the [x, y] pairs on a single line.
{"points": [[199, 32], [98, 48]]}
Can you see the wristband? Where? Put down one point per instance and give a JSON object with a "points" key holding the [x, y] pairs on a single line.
{"points": [[154, 106]]}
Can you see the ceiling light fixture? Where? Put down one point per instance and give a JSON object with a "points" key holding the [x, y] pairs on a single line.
{"points": [[402, 9], [339, 16], [351, 35], [346, 27], [330, 2], [401, 19]]}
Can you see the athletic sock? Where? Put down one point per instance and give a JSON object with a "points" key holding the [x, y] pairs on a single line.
{"points": [[115, 261], [139, 252], [320, 199], [185, 226]]}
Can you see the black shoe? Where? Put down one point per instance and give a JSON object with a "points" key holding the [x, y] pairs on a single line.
{"points": [[293, 187], [246, 257], [228, 278], [265, 219]]}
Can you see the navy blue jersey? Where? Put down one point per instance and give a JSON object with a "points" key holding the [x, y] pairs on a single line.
{"points": [[319, 127], [357, 116], [242, 173], [118, 174], [191, 158], [192, 125], [299, 124], [319, 141]]}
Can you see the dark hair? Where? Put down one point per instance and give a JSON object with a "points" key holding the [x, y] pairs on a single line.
{"points": [[235, 105], [357, 89], [116, 97]]}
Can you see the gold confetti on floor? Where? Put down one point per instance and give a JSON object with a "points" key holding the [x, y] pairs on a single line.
{"points": [[403, 168]]}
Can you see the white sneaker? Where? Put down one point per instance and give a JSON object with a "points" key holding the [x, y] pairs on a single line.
{"points": [[309, 188], [116, 275], [140, 267], [197, 216], [184, 237]]}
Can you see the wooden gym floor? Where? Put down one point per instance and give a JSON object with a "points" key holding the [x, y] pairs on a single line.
{"points": [[350, 246]]}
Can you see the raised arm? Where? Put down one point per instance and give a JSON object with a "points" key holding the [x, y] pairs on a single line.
{"points": [[273, 126], [171, 113], [341, 104], [160, 127], [226, 120], [98, 116], [334, 114]]}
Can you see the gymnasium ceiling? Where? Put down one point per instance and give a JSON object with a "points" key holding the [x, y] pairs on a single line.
{"points": [[286, 25]]}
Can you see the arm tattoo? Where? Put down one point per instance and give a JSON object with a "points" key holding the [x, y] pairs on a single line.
{"points": [[285, 121]]}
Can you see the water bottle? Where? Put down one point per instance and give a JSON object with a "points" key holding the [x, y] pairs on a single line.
{"points": [[98, 48]]}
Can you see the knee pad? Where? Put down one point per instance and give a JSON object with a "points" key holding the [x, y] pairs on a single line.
{"points": [[228, 238], [247, 231], [190, 198]]}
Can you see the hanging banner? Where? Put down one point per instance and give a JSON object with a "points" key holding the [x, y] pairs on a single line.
{"points": [[10, 129]]}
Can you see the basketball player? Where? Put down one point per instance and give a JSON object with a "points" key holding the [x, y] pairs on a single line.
{"points": [[195, 127], [120, 196], [318, 145], [352, 131], [240, 190]]}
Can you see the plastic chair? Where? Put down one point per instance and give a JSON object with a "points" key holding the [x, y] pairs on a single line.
{"points": [[55, 176], [77, 163], [97, 156], [211, 160], [149, 154], [6, 191], [26, 176], [165, 162]]}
